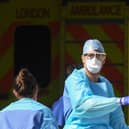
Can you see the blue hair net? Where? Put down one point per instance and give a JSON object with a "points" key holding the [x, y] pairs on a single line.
{"points": [[93, 44]]}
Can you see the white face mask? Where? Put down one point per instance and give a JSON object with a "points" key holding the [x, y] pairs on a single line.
{"points": [[93, 65]]}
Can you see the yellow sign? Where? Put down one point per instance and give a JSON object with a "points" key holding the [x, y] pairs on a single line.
{"points": [[95, 10]]}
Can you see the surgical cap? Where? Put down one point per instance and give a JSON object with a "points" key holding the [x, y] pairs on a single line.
{"points": [[93, 44]]}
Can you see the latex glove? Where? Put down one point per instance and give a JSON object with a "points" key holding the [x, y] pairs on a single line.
{"points": [[124, 100]]}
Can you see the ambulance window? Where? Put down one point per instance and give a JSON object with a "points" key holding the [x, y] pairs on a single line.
{"points": [[33, 51]]}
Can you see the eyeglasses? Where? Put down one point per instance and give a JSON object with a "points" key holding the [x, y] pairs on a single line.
{"points": [[99, 56]]}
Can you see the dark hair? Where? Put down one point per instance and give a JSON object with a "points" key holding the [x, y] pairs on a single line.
{"points": [[25, 83]]}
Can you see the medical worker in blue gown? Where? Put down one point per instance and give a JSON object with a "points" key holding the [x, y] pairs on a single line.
{"points": [[91, 95], [26, 112]]}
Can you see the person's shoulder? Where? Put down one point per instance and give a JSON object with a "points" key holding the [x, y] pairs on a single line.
{"points": [[43, 106], [10, 106], [76, 75], [47, 112], [77, 72], [5, 108]]}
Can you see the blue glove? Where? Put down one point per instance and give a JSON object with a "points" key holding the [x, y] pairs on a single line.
{"points": [[124, 100]]}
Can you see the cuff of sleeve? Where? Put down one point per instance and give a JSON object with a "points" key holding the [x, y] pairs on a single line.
{"points": [[119, 100]]}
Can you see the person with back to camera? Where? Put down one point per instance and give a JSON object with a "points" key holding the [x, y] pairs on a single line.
{"points": [[26, 112], [91, 95]]}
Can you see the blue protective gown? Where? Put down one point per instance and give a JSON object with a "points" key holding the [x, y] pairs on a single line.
{"points": [[58, 111], [93, 104], [27, 114]]}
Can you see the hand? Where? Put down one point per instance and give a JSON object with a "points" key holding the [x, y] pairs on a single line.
{"points": [[124, 100]]}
